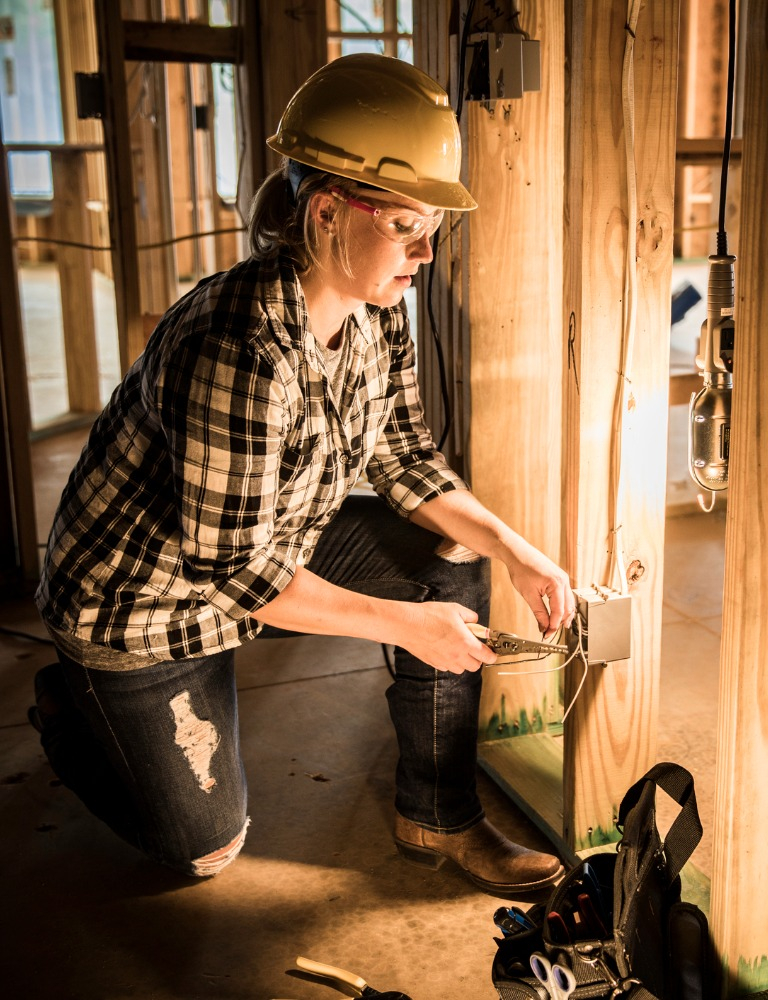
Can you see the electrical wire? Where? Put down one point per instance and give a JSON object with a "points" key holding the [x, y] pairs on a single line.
{"points": [[579, 652], [722, 236], [434, 329], [441, 369], [240, 107], [516, 25], [629, 317], [25, 635], [462, 56], [388, 662], [141, 246], [583, 657]]}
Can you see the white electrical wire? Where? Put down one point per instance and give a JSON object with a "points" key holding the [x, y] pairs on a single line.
{"points": [[578, 651], [584, 660], [629, 318]]}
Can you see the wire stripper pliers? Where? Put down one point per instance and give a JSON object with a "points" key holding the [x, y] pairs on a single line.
{"points": [[509, 644]]}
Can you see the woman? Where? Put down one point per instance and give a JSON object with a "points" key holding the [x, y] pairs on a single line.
{"points": [[212, 505]]}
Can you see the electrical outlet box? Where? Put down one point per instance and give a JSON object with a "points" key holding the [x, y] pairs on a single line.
{"points": [[606, 618], [501, 66], [496, 69], [531, 64]]}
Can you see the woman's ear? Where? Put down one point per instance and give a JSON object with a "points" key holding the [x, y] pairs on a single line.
{"points": [[323, 211]]}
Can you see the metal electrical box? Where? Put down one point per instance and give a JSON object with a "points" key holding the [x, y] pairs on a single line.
{"points": [[606, 620], [501, 66]]}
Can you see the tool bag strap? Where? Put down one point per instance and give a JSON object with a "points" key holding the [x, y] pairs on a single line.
{"points": [[686, 831]]}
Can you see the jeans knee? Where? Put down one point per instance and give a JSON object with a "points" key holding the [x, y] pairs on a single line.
{"points": [[465, 575], [216, 861]]}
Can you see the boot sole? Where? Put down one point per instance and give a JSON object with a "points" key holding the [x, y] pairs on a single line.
{"points": [[535, 892], [426, 857]]}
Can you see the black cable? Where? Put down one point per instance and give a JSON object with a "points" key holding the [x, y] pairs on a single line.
{"points": [[447, 413], [462, 56], [722, 236], [25, 635], [387, 661]]}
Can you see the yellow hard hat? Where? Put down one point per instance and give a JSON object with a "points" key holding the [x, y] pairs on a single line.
{"points": [[379, 121]]}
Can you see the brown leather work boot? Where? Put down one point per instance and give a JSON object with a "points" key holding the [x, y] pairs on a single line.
{"points": [[493, 863]]}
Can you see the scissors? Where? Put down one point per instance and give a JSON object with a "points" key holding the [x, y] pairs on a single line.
{"points": [[558, 980]]}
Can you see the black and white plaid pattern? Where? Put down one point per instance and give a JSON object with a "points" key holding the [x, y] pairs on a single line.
{"points": [[220, 458]]}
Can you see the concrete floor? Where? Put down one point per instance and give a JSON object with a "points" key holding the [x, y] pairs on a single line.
{"points": [[87, 918]]}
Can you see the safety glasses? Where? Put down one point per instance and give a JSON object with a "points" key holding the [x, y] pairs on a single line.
{"points": [[401, 225]]}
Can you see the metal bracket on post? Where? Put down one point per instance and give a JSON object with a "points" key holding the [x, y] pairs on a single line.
{"points": [[89, 95]]}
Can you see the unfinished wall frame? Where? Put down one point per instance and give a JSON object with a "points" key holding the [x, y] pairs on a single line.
{"points": [[543, 465]]}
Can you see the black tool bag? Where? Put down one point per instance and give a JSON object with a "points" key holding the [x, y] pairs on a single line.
{"points": [[617, 920]]}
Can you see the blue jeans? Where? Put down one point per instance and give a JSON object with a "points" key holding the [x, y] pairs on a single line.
{"points": [[155, 752]]}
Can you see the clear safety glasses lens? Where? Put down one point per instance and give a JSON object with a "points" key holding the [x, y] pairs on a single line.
{"points": [[397, 224], [402, 226]]}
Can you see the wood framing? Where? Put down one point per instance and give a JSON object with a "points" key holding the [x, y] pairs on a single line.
{"points": [[122, 216], [515, 151], [616, 391], [440, 287], [739, 911], [541, 433], [75, 264], [18, 549], [292, 46]]}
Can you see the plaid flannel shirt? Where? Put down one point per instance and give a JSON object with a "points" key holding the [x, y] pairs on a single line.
{"points": [[220, 458]]}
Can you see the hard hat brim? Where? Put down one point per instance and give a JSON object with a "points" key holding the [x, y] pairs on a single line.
{"points": [[449, 195]]}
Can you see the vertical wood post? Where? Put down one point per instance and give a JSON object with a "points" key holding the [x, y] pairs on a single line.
{"points": [[70, 191], [435, 49], [294, 36], [18, 549], [739, 911], [514, 301], [611, 734], [122, 212]]}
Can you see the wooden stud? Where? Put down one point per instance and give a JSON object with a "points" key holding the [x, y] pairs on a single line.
{"points": [[70, 194], [611, 734], [18, 549], [515, 151], [298, 35], [739, 912], [252, 127], [122, 212]]}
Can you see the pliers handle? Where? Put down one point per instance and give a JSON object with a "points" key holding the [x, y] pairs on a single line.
{"points": [[509, 644]]}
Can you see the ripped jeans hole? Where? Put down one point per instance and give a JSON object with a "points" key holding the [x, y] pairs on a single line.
{"points": [[213, 863], [197, 738]]}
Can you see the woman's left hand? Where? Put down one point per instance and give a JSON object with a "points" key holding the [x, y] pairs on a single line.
{"points": [[543, 585]]}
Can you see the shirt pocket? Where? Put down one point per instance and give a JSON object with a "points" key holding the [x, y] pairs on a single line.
{"points": [[375, 415], [300, 460]]}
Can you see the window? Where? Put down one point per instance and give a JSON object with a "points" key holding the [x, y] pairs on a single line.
{"points": [[383, 26], [224, 127], [29, 92]]}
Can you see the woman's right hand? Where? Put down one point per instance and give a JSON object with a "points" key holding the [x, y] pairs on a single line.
{"points": [[438, 633]]}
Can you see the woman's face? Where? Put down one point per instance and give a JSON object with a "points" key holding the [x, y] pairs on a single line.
{"points": [[381, 269]]}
